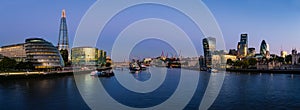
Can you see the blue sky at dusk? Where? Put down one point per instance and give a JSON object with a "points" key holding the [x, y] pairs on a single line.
{"points": [[276, 21]]}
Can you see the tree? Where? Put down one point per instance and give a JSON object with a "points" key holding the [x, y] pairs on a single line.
{"points": [[252, 61], [8, 64], [65, 55], [245, 64], [25, 66], [288, 59], [238, 63], [280, 59], [108, 64], [229, 62]]}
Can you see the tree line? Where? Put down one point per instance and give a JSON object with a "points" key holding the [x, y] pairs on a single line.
{"points": [[8, 64]]}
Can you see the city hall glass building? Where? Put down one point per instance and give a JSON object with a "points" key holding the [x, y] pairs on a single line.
{"points": [[36, 50], [42, 53]]}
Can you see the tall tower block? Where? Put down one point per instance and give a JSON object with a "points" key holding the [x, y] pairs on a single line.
{"points": [[63, 41]]}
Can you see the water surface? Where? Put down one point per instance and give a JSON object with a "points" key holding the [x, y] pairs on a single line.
{"points": [[239, 91]]}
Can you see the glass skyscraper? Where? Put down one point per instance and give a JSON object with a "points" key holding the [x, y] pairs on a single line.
{"points": [[243, 45], [209, 46], [264, 47], [244, 38], [63, 42]]}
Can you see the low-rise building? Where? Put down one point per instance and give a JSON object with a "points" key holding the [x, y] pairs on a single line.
{"points": [[16, 52], [268, 65], [87, 56]]}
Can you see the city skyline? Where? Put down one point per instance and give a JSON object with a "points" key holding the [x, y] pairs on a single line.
{"points": [[261, 20]]}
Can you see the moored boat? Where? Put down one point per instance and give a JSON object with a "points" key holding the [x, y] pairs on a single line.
{"points": [[106, 73], [133, 66]]}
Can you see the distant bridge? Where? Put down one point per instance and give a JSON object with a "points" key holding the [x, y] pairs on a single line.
{"points": [[120, 64]]}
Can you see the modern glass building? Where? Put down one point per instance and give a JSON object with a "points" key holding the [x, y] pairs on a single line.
{"points": [[43, 54], [243, 46], [242, 49], [251, 52], [244, 38], [209, 46], [101, 57], [63, 42], [16, 52], [87, 56], [264, 48]]}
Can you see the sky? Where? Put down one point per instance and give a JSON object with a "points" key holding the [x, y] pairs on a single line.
{"points": [[276, 21]]}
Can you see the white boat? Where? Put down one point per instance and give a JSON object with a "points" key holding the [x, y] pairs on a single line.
{"points": [[95, 73], [134, 66], [107, 73], [213, 70]]}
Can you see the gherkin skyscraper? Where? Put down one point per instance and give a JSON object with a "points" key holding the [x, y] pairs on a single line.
{"points": [[63, 41], [264, 47]]}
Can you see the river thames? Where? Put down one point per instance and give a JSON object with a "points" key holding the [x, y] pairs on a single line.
{"points": [[239, 91]]}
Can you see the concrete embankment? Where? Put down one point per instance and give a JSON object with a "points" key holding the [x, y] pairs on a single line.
{"points": [[32, 75], [52, 74], [287, 71]]}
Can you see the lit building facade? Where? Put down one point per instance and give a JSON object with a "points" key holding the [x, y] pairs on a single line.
{"points": [[63, 40], [243, 46], [16, 52], [233, 52], [43, 54], [87, 56], [63, 43], [101, 57], [251, 52], [242, 49], [209, 46], [244, 38], [295, 57], [283, 54]]}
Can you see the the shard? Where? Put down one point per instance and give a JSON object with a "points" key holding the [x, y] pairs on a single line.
{"points": [[63, 42]]}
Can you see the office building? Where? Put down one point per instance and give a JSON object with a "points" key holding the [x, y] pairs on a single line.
{"points": [[295, 57], [16, 52], [264, 47], [63, 41], [233, 52], [243, 46], [283, 54], [43, 54], [209, 47], [101, 57], [251, 52], [87, 56]]}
